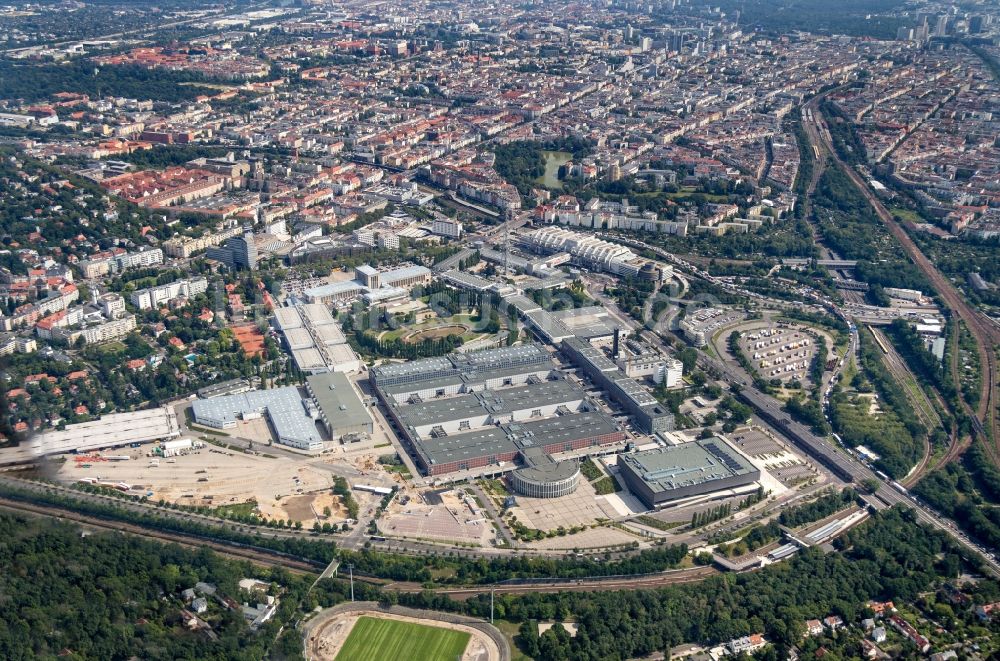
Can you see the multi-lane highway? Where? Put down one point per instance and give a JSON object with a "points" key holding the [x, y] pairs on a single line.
{"points": [[837, 459], [826, 452]]}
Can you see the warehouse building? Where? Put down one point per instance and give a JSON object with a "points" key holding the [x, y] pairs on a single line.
{"points": [[341, 410], [451, 415], [370, 281], [649, 414], [293, 418], [489, 408], [589, 324], [501, 446], [666, 474], [456, 373], [315, 339], [109, 431]]}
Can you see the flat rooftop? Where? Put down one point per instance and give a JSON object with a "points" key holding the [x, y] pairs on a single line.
{"points": [[287, 318], [284, 407], [338, 400], [316, 314], [308, 359], [111, 430], [687, 464], [490, 402], [540, 467], [462, 363], [516, 436]]}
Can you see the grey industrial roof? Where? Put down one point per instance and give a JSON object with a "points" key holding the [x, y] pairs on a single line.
{"points": [[329, 334], [334, 289], [287, 318], [594, 331], [432, 382], [463, 279], [555, 330], [491, 402], [516, 436], [481, 443], [476, 361], [581, 316], [540, 467], [222, 388], [635, 391], [593, 355], [522, 303], [496, 256], [284, 407], [389, 277], [688, 464], [298, 338], [308, 359], [560, 429], [338, 400], [441, 410], [423, 365], [316, 314]]}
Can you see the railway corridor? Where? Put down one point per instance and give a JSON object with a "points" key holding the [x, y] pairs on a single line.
{"points": [[986, 335]]}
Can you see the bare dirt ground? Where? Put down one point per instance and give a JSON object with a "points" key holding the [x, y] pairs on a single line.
{"points": [[209, 476], [327, 637]]}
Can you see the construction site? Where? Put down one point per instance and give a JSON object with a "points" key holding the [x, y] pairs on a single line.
{"points": [[272, 487]]}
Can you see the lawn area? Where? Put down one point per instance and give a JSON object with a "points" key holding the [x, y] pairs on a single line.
{"points": [[906, 215], [606, 485], [510, 630], [399, 468], [377, 639], [237, 509]]}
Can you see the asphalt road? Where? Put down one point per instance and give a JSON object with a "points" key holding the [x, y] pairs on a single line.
{"points": [[821, 449]]}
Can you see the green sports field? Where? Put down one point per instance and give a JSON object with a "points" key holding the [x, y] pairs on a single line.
{"points": [[376, 639]]}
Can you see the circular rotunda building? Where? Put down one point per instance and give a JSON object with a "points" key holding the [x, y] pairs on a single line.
{"points": [[546, 479]]}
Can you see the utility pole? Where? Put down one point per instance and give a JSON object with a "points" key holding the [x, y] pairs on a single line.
{"points": [[492, 589], [351, 569]]}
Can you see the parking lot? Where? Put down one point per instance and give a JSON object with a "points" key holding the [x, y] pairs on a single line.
{"points": [[780, 462], [707, 321], [778, 352]]}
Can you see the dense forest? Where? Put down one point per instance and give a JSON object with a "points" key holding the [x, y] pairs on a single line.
{"points": [[34, 82], [112, 596], [862, 18], [889, 557], [109, 596], [521, 163], [850, 228], [969, 492]]}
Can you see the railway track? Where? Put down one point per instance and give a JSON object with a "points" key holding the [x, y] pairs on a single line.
{"points": [[918, 400], [256, 556], [643, 582], [261, 558], [985, 333]]}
